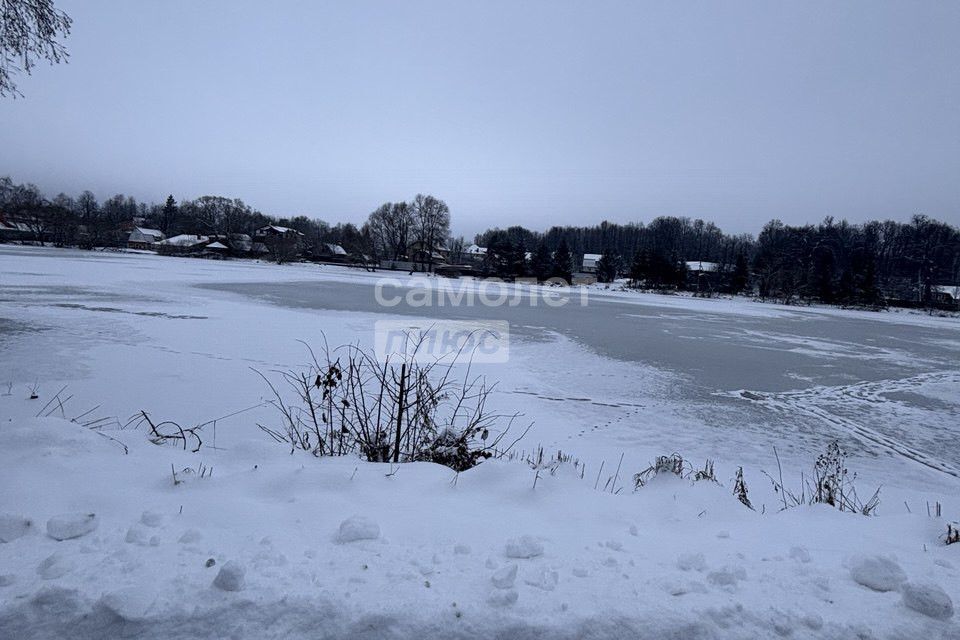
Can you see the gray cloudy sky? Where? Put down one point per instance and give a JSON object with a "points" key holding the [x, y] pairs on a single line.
{"points": [[513, 112]]}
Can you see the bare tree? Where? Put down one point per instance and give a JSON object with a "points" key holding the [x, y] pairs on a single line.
{"points": [[391, 225], [432, 224], [283, 247], [458, 247], [29, 31]]}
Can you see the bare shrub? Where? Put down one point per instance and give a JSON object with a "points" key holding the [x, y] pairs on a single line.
{"points": [[200, 472], [953, 533], [673, 464], [706, 473], [832, 485], [405, 409], [169, 432], [740, 489]]}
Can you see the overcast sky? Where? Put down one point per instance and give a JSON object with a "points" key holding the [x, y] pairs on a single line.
{"points": [[513, 112]]}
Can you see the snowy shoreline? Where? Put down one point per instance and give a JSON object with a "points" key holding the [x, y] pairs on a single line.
{"points": [[482, 554]]}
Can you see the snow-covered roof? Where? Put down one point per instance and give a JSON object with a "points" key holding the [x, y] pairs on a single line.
{"points": [[335, 249], [217, 245], [148, 232], [279, 229], [592, 256], [952, 290], [185, 240], [475, 250], [14, 226], [700, 265]]}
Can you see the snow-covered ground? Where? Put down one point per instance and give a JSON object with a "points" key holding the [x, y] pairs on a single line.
{"points": [[628, 375]]}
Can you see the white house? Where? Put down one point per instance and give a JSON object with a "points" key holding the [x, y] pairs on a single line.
{"points": [[474, 254], [700, 266], [142, 238], [590, 261]]}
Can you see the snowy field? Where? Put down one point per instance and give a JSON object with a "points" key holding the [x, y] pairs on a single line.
{"points": [[617, 381]]}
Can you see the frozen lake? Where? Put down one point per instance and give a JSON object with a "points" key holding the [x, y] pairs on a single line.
{"points": [[772, 351], [893, 385], [627, 372]]}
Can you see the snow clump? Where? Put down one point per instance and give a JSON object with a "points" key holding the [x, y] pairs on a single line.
{"points": [[877, 573], [524, 547], [505, 577], [358, 528], [929, 599], [72, 525], [230, 577]]}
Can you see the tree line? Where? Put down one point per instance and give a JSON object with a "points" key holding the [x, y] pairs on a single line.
{"points": [[84, 221], [833, 262]]}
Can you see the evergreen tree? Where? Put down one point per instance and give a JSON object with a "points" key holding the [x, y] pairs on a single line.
{"points": [[562, 262], [518, 259], [608, 266], [868, 291], [822, 276], [499, 256], [541, 263], [168, 215], [741, 274], [640, 267], [845, 288], [661, 272], [678, 271]]}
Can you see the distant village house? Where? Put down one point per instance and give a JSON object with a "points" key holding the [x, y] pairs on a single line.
{"points": [[142, 238]]}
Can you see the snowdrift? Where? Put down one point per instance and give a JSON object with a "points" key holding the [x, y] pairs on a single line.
{"points": [[256, 543]]}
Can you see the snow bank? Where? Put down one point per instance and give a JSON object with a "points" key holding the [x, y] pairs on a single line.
{"points": [[262, 550]]}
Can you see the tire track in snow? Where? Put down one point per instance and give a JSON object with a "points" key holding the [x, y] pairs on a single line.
{"points": [[809, 402]]}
